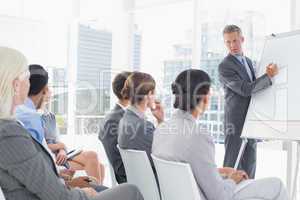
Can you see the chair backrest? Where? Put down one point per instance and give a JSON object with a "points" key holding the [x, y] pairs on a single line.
{"points": [[176, 176], [139, 172], [114, 181], [1, 195]]}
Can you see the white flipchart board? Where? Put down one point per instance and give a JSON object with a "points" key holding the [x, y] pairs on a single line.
{"points": [[274, 113]]}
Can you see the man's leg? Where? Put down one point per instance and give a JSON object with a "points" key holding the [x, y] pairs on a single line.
{"points": [[122, 192], [247, 163], [232, 148], [249, 158], [267, 189]]}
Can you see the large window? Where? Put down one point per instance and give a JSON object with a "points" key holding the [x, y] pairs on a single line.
{"points": [[84, 43], [166, 47], [170, 30]]}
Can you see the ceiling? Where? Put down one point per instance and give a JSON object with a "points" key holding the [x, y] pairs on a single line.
{"points": [[141, 4]]}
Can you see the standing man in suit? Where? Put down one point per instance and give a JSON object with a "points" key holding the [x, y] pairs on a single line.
{"points": [[108, 134], [237, 75]]}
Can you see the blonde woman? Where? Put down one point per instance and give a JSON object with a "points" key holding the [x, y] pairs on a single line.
{"points": [[25, 165]]}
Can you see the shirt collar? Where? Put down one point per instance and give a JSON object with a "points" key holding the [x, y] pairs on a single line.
{"points": [[29, 104], [20, 122], [123, 107], [238, 56], [183, 114], [137, 112]]}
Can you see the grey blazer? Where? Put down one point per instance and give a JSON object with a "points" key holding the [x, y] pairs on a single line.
{"points": [[136, 132], [27, 171], [182, 139], [108, 135], [238, 90]]}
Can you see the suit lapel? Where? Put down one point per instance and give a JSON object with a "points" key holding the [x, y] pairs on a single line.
{"points": [[251, 67], [36, 143], [241, 68], [118, 109], [48, 154]]}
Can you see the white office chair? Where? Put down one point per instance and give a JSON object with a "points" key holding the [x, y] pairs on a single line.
{"points": [[114, 181], [139, 172], [1, 195], [174, 177], [112, 174]]}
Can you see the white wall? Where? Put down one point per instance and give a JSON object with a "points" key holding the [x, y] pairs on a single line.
{"points": [[294, 14], [297, 20], [28, 36]]}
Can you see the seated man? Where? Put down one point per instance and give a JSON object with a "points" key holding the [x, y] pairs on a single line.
{"points": [[28, 115], [108, 134]]}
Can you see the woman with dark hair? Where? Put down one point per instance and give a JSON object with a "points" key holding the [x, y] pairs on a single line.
{"points": [[108, 132], [135, 131], [183, 139]]}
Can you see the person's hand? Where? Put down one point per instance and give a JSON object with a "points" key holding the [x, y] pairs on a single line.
{"points": [[65, 177], [244, 174], [272, 70], [89, 191], [67, 174], [81, 182], [226, 170], [61, 157], [238, 176], [61, 145], [158, 112]]}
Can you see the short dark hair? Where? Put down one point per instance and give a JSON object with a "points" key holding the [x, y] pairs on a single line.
{"points": [[138, 85], [189, 88], [118, 83], [231, 29], [38, 79]]}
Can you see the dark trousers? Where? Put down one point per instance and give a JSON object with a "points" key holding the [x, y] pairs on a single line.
{"points": [[248, 161]]}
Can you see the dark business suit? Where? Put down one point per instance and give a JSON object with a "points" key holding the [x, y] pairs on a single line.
{"points": [[136, 132], [109, 137], [27, 171], [238, 89]]}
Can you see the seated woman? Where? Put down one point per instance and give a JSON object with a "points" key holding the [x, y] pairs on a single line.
{"points": [[108, 132], [84, 160], [183, 139], [27, 170], [135, 131]]}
